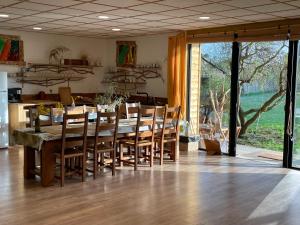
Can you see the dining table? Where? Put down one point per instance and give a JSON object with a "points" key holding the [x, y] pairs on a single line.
{"points": [[49, 139]]}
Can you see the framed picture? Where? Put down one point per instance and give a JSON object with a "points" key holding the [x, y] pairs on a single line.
{"points": [[126, 54], [11, 50]]}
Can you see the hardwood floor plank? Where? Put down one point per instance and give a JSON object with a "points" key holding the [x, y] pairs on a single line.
{"points": [[198, 190]]}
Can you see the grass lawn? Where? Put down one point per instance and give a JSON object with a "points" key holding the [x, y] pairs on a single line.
{"points": [[267, 130]]}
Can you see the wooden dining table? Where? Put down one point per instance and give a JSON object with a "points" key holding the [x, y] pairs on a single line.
{"points": [[49, 140]]}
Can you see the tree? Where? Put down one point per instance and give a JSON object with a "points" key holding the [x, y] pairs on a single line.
{"points": [[261, 63]]}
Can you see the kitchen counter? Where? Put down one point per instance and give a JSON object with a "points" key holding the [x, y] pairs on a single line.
{"points": [[17, 114]]}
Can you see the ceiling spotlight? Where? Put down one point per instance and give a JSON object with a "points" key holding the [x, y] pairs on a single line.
{"points": [[37, 28], [204, 18], [116, 29], [4, 16], [103, 17]]}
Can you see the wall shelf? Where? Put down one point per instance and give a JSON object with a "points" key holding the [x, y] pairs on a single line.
{"points": [[51, 74], [129, 79], [60, 68]]}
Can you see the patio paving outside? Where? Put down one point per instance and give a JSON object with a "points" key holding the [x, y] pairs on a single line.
{"points": [[260, 154]]}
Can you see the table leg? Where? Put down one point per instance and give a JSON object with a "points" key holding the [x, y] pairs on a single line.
{"points": [[29, 162], [175, 151], [47, 164]]}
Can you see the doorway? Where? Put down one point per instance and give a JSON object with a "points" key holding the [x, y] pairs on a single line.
{"points": [[262, 90]]}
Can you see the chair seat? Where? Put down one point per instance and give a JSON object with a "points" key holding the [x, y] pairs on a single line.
{"points": [[100, 148], [166, 139], [71, 152], [141, 143]]}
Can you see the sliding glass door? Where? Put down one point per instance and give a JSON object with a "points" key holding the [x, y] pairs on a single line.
{"points": [[215, 94], [262, 90], [296, 135]]}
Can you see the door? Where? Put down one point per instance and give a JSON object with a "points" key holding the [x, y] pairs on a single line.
{"points": [[296, 135]]}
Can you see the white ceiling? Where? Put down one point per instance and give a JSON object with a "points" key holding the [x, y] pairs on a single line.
{"points": [[138, 17]]}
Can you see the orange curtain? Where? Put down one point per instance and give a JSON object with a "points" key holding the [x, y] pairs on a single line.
{"points": [[177, 72]]}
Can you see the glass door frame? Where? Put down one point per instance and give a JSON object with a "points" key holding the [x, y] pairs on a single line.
{"points": [[290, 98], [290, 105], [234, 98]]}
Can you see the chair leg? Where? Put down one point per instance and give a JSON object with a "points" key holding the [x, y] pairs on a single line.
{"points": [[83, 168], [146, 151], [161, 154], [113, 164], [151, 155], [173, 151], [136, 152], [121, 155], [95, 162], [62, 172], [72, 163]]}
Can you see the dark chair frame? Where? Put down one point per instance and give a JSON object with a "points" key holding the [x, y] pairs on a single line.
{"points": [[106, 122], [73, 147]]}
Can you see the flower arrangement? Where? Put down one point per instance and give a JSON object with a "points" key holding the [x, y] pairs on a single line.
{"points": [[43, 110], [109, 99]]}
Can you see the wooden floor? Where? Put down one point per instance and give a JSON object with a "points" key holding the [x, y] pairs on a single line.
{"points": [[197, 190]]}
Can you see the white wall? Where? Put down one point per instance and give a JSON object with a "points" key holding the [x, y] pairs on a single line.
{"points": [[150, 49], [37, 47]]}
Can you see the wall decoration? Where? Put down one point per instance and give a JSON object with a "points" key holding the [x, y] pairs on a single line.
{"points": [[126, 53], [58, 71], [11, 50], [127, 80]]}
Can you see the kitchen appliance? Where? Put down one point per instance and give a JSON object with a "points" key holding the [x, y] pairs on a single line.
{"points": [[3, 111], [14, 95]]}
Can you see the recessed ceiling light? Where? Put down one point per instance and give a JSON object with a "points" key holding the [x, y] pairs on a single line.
{"points": [[103, 17], [37, 28], [116, 29], [4, 15], [204, 18]]}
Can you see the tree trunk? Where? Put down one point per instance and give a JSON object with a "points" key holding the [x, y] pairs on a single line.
{"points": [[267, 106], [242, 121]]}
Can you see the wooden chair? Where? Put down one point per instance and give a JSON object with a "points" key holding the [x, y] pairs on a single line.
{"points": [[74, 139], [144, 137], [131, 110], [105, 140], [57, 115], [76, 110], [102, 108], [169, 133]]}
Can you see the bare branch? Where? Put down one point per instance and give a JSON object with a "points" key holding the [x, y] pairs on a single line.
{"points": [[214, 65]]}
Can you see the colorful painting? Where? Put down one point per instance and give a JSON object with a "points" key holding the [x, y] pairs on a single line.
{"points": [[11, 50], [126, 53]]}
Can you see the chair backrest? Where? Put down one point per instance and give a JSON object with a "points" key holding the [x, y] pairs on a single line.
{"points": [[90, 109], [132, 109], [74, 134], [107, 128], [102, 108], [65, 95], [160, 112], [45, 119], [57, 115], [171, 122], [75, 110], [145, 126]]}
